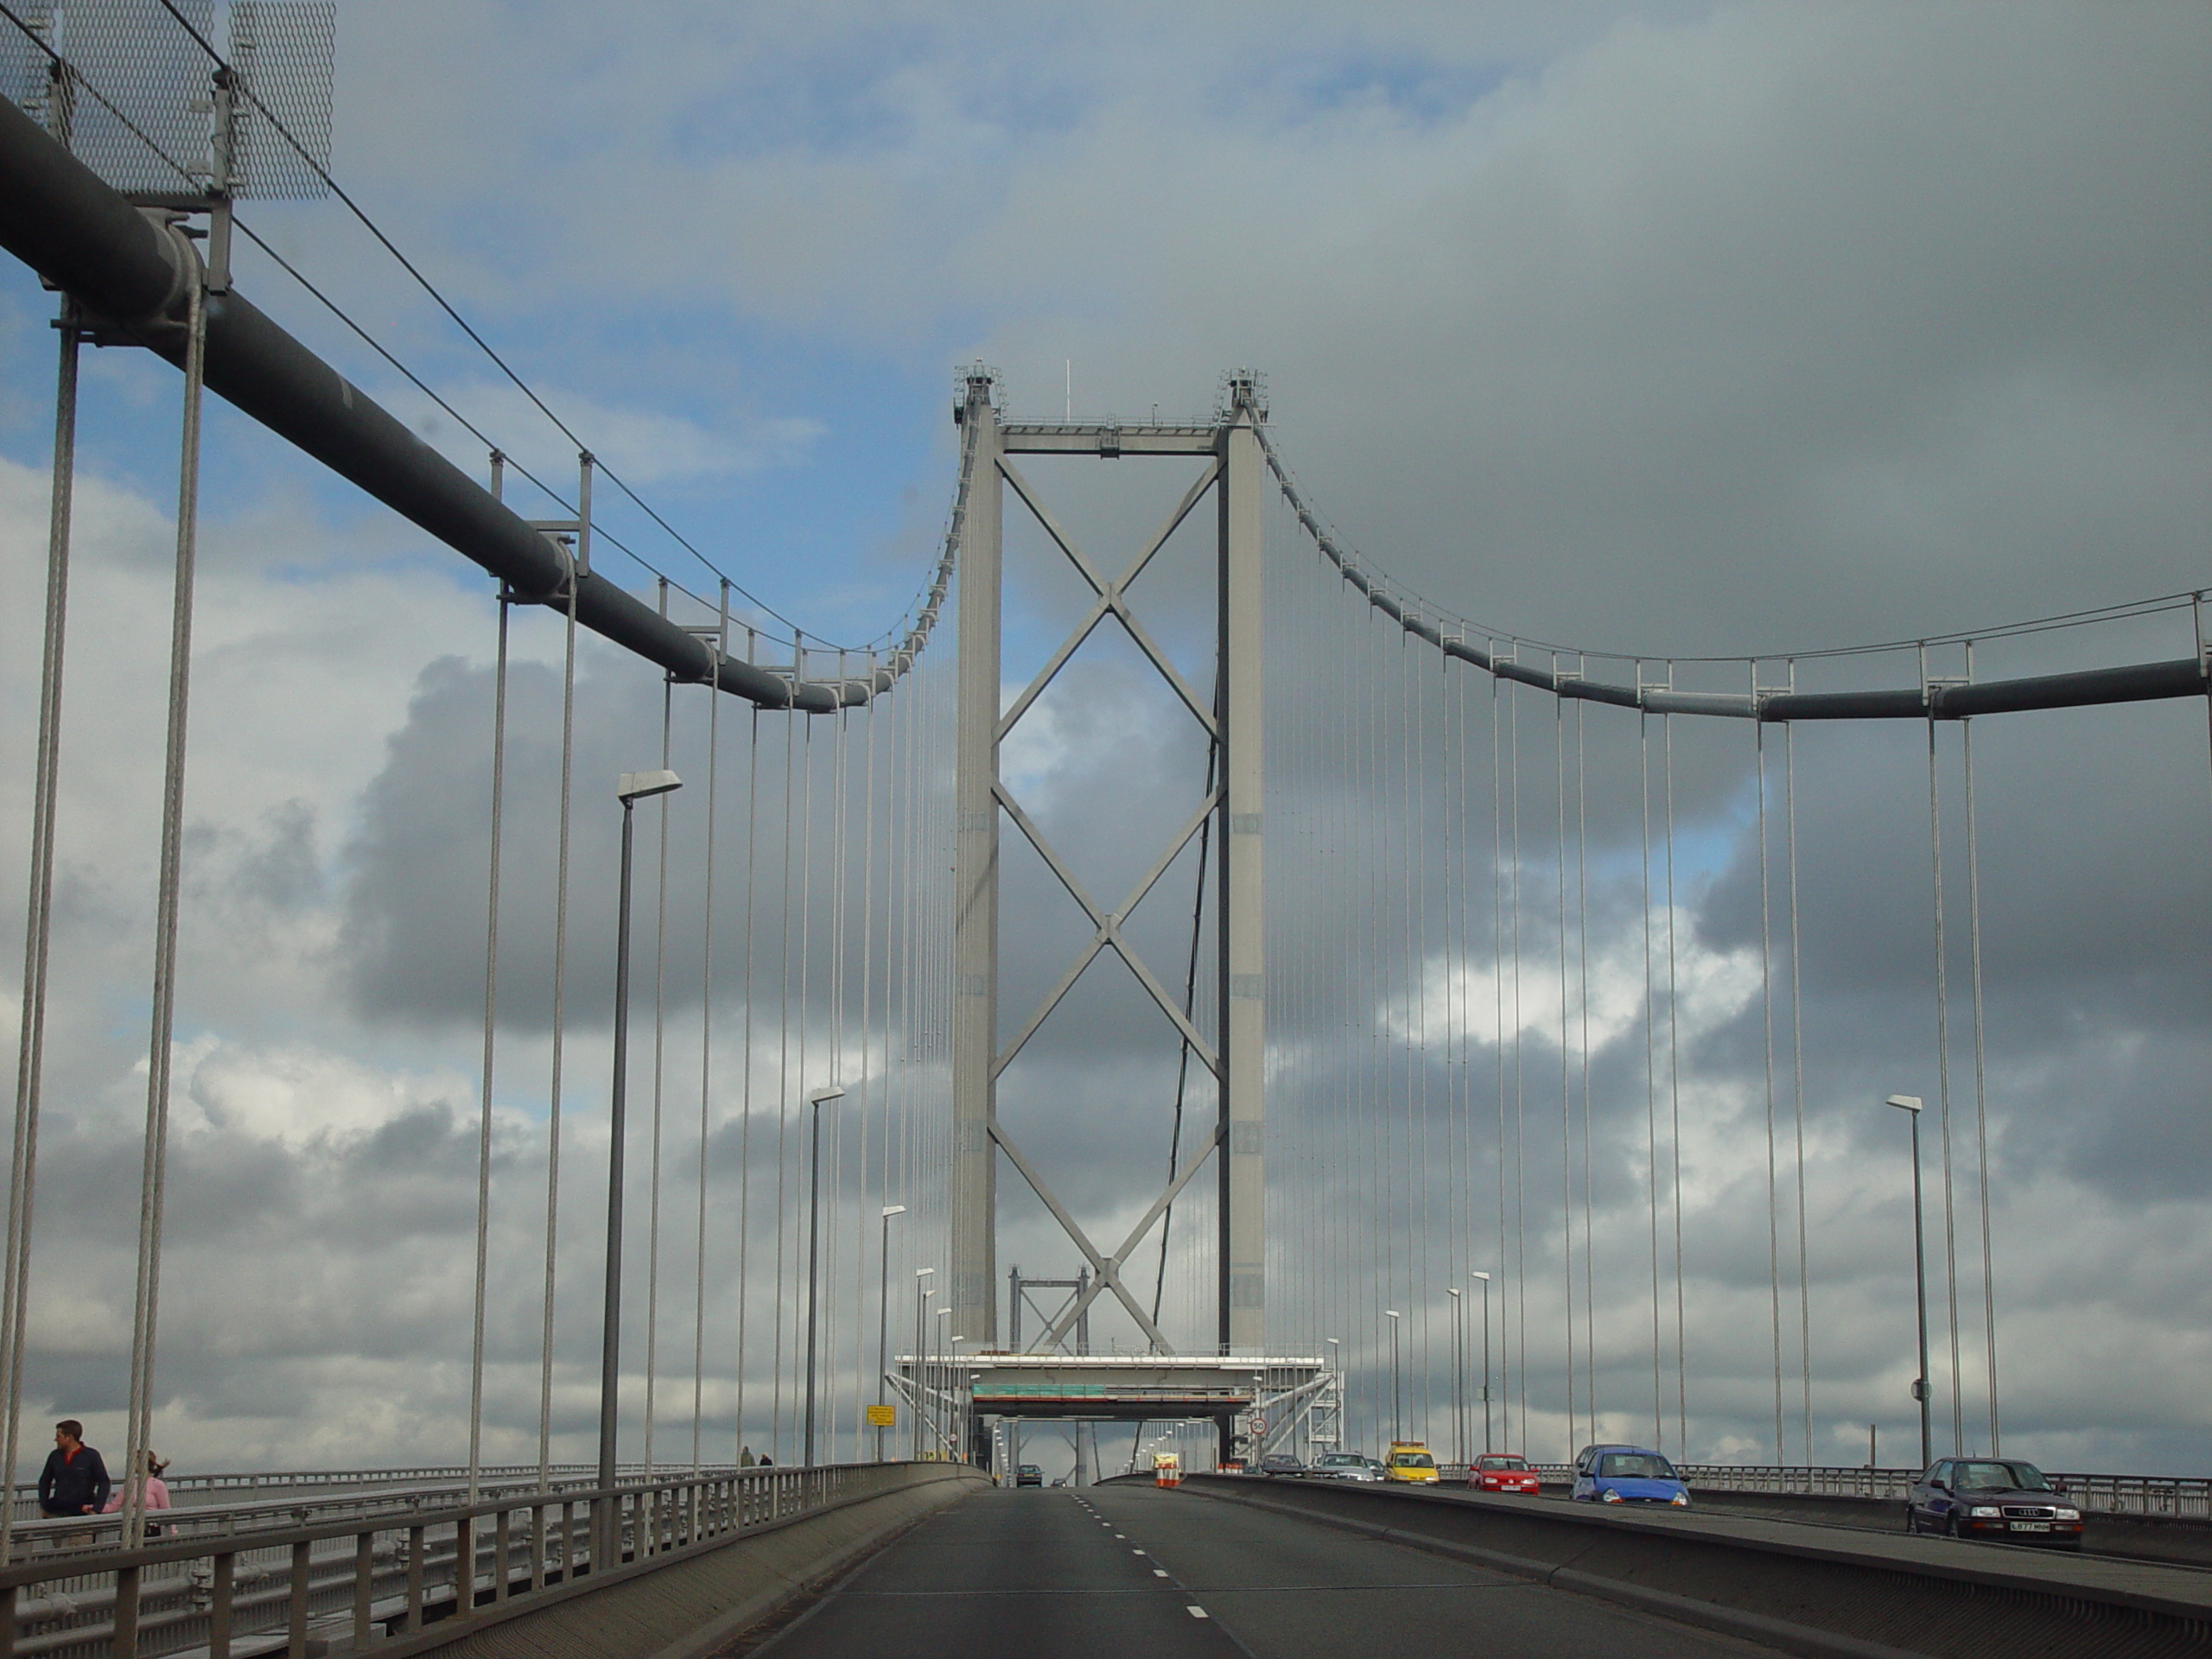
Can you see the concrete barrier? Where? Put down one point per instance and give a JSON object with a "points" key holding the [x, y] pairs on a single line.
{"points": [[2183, 1540], [1823, 1592]]}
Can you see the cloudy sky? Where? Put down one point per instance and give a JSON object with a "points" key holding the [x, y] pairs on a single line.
{"points": [[1668, 331]]}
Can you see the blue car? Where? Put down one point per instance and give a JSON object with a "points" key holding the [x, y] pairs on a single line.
{"points": [[1627, 1474]]}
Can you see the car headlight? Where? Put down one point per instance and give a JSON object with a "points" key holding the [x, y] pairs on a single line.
{"points": [[1681, 1500], [1986, 1512], [1610, 1496], [2066, 1514]]}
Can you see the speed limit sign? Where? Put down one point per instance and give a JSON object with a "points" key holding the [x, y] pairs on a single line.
{"points": [[1259, 1422]]}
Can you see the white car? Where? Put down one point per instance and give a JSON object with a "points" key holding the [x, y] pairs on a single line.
{"points": [[1344, 1465]]}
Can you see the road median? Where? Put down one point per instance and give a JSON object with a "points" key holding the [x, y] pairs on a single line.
{"points": [[1821, 1591]]}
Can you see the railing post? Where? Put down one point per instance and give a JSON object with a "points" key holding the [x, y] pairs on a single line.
{"points": [[502, 1547], [416, 1548], [365, 1567], [218, 1606], [125, 1641], [464, 1566], [295, 1616]]}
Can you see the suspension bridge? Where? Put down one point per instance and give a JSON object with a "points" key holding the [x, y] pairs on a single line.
{"points": [[1368, 1076]]}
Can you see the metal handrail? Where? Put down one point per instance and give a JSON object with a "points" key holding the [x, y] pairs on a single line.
{"points": [[214, 1592]]}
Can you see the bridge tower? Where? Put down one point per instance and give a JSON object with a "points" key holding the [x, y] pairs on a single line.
{"points": [[1228, 448]]}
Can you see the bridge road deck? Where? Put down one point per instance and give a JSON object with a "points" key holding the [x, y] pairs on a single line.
{"points": [[1102, 1572]]}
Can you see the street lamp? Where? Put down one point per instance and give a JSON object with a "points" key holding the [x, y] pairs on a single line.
{"points": [[956, 1426], [1458, 1377], [938, 1370], [883, 1320], [817, 1100], [1397, 1392], [922, 1294], [1486, 1279], [1337, 1365], [633, 787], [1910, 1106]]}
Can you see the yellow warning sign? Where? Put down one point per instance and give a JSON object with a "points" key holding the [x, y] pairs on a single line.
{"points": [[883, 1417]]}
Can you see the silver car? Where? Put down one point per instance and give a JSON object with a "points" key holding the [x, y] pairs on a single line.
{"points": [[1344, 1465]]}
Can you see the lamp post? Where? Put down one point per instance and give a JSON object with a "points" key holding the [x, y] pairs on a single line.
{"points": [[883, 1319], [1337, 1365], [817, 1101], [955, 1422], [1910, 1106], [1458, 1377], [1397, 1390], [922, 1294], [633, 787], [937, 1366], [1486, 1279]]}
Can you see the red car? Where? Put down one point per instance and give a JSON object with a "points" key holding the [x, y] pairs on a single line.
{"points": [[1502, 1472]]}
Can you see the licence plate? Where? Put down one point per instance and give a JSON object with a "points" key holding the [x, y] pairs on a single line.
{"points": [[2031, 1526]]}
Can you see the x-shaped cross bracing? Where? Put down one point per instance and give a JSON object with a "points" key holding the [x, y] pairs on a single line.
{"points": [[1108, 601]]}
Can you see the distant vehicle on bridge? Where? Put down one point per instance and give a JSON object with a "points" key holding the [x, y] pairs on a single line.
{"points": [[1627, 1474], [1345, 1465], [1280, 1462], [1410, 1461], [1029, 1475], [1995, 1498], [1504, 1471]]}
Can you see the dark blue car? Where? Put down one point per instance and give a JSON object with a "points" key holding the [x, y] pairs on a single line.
{"points": [[1627, 1474]]}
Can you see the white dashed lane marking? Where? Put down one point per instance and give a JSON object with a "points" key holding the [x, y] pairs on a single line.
{"points": [[1196, 1612]]}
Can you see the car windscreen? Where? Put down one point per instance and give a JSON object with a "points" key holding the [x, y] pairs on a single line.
{"points": [[1414, 1460], [2000, 1476], [1635, 1465], [1505, 1463], [1342, 1460]]}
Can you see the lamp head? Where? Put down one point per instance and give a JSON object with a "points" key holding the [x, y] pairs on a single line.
{"points": [[1391, 1313], [1483, 1277], [823, 1096], [637, 785], [891, 1210], [1904, 1102], [1453, 1292]]}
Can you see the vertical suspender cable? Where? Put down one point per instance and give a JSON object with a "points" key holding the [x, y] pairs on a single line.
{"points": [[1582, 997], [154, 1172], [1497, 971], [745, 1069], [1520, 1121], [806, 986], [490, 1031], [1650, 1057], [1797, 1062], [1675, 1100], [783, 1060], [30, 1052], [1766, 1029], [660, 1067], [871, 1107], [1565, 1052], [560, 1017], [1980, 1085], [1943, 1085], [706, 1038]]}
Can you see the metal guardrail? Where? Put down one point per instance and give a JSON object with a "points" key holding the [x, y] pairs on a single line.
{"points": [[203, 1511], [231, 1595], [2182, 1497], [196, 1489]]}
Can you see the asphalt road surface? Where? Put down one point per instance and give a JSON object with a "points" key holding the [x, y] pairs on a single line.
{"points": [[1115, 1570]]}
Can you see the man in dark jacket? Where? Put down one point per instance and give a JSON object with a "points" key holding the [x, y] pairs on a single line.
{"points": [[74, 1481]]}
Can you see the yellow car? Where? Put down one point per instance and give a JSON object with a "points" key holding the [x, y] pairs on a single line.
{"points": [[1410, 1461]]}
